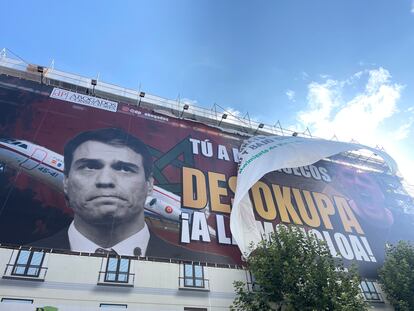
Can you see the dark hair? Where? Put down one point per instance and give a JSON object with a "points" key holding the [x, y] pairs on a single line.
{"points": [[110, 136]]}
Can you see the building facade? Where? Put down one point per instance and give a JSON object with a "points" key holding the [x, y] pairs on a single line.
{"points": [[92, 282], [195, 153]]}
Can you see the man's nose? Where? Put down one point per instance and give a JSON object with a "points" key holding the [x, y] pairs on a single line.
{"points": [[105, 178]]}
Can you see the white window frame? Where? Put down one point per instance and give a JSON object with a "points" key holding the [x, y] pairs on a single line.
{"points": [[371, 294], [11, 273], [183, 277], [103, 273]]}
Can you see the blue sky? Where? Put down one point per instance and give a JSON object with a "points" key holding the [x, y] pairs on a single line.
{"points": [[343, 67]]}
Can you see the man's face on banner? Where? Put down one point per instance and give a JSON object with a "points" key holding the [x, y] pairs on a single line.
{"points": [[106, 183], [367, 199]]}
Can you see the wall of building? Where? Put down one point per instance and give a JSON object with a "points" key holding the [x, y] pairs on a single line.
{"points": [[73, 282]]}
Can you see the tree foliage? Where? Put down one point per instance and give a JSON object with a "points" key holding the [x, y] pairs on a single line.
{"points": [[294, 271], [397, 276]]}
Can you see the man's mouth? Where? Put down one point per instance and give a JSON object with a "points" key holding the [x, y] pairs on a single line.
{"points": [[106, 198]]}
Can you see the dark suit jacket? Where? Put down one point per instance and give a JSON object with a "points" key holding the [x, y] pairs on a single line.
{"points": [[157, 247]]}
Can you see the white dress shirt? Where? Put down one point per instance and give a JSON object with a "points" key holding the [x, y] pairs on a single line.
{"points": [[80, 243]]}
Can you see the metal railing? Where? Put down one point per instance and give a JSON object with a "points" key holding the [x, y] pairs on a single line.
{"points": [[178, 108], [193, 283], [181, 108], [30, 272], [126, 279]]}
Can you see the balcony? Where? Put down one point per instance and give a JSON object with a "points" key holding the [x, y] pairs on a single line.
{"points": [[123, 279], [115, 271], [192, 277], [26, 265], [193, 284], [25, 272]]}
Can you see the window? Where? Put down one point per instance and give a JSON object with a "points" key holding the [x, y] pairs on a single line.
{"points": [[113, 306], [16, 300], [370, 291], [194, 309], [117, 270], [28, 263], [193, 276], [251, 282]]}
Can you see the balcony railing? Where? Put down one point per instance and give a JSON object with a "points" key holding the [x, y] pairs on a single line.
{"points": [[116, 278], [25, 272], [191, 283]]}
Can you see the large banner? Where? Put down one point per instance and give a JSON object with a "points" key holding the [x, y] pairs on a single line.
{"points": [[90, 175], [260, 155]]}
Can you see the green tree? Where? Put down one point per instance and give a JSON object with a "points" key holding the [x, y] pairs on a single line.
{"points": [[397, 276], [294, 271]]}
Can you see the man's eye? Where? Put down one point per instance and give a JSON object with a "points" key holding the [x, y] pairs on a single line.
{"points": [[90, 166], [124, 168]]}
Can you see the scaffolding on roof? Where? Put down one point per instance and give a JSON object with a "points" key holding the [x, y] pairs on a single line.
{"points": [[217, 116]]}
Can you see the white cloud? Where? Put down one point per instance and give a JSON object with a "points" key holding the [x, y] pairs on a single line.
{"points": [[371, 101], [412, 7], [291, 95], [188, 101], [304, 75], [233, 112], [377, 78], [355, 76], [236, 117], [403, 131], [322, 98], [359, 117]]}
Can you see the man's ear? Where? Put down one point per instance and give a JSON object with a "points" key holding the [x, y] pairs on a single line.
{"points": [[65, 187], [150, 185]]}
